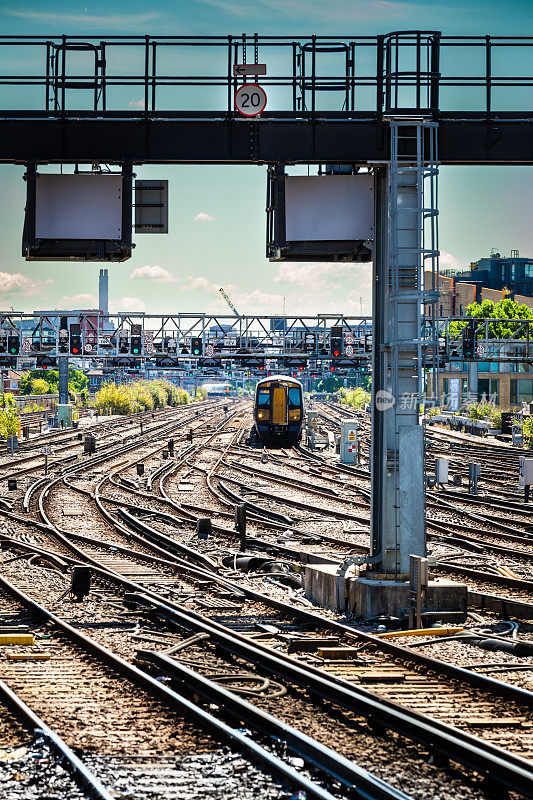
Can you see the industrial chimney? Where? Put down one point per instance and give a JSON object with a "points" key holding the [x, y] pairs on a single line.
{"points": [[103, 291]]}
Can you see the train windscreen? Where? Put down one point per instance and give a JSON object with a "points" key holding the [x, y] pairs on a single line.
{"points": [[263, 398], [294, 397]]}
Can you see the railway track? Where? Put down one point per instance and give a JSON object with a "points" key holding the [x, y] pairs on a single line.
{"points": [[202, 589]]}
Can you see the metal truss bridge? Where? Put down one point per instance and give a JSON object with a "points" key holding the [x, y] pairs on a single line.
{"points": [[499, 340], [168, 341]]}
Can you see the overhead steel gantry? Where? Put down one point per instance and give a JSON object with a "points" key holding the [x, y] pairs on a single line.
{"points": [[329, 98], [223, 336]]}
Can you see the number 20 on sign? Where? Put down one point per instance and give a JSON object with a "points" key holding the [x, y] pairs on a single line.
{"points": [[250, 100]]}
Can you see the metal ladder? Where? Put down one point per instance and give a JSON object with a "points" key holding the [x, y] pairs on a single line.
{"points": [[413, 250]]}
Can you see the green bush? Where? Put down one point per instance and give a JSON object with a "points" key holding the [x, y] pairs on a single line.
{"points": [[9, 418], [527, 430], [356, 398], [138, 396], [30, 407], [487, 411]]}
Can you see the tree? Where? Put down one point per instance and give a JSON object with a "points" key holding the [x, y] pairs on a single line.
{"points": [[39, 386], [26, 383], [77, 380], [502, 311]]}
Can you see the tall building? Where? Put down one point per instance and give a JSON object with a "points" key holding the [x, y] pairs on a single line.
{"points": [[103, 291], [497, 272]]}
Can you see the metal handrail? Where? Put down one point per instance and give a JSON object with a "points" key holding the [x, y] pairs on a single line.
{"points": [[394, 64]]}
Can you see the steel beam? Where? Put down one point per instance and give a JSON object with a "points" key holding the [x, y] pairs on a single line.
{"points": [[217, 138]]}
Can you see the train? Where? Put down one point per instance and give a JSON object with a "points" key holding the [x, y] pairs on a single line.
{"points": [[279, 410], [215, 389]]}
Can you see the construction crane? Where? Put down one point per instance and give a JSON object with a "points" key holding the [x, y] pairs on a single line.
{"points": [[228, 301]]}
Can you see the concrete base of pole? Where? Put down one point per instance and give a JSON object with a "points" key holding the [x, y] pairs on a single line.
{"points": [[368, 597], [374, 598]]}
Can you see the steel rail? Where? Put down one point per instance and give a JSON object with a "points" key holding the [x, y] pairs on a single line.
{"points": [[508, 769], [272, 763], [83, 777], [335, 765]]}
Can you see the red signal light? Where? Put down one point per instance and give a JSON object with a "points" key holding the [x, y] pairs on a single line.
{"points": [[332, 369], [336, 353], [74, 350]]}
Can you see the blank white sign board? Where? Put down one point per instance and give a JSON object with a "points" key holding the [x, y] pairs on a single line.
{"points": [[329, 207], [78, 207]]}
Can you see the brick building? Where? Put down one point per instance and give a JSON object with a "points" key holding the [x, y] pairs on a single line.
{"points": [[505, 383]]}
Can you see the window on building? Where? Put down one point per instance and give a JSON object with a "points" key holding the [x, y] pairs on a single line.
{"points": [[528, 270], [460, 309], [521, 390], [441, 311], [489, 390]]}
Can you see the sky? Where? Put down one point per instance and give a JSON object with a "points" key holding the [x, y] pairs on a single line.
{"points": [[217, 213]]}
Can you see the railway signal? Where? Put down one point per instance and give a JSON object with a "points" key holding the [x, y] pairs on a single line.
{"points": [[336, 342], [135, 340], [13, 345], [45, 362], [469, 341], [75, 339], [197, 346], [63, 336], [123, 343]]}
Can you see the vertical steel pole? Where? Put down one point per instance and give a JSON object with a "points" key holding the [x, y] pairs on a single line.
{"points": [[63, 380], [379, 373]]}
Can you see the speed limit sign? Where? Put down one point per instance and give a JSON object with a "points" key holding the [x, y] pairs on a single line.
{"points": [[348, 350], [250, 100], [480, 349], [209, 350]]}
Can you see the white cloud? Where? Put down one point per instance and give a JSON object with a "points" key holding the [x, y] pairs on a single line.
{"points": [[154, 273], [127, 304], [308, 289], [192, 284], [136, 103], [25, 285], [317, 274], [78, 301], [202, 216], [449, 261], [122, 21], [335, 9]]}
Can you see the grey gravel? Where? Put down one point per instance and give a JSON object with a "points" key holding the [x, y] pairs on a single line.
{"points": [[218, 775], [32, 772]]}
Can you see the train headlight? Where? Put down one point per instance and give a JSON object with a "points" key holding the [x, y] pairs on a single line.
{"points": [[294, 415], [262, 415]]}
